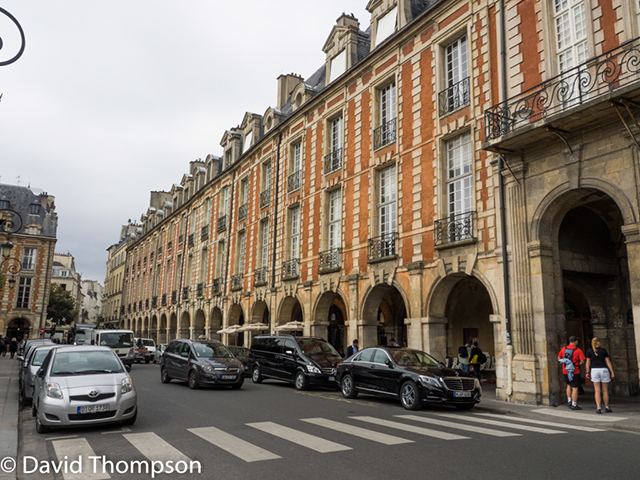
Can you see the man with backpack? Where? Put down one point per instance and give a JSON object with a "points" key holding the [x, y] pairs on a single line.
{"points": [[463, 357], [571, 355]]}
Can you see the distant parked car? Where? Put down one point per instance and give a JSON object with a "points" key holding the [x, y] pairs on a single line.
{"points": [[242, 354], [82, 385], [201, 363], [157, 355], [28, 369]]}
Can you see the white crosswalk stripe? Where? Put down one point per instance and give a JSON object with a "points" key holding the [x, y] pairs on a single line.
{"points": [[468, 428], [411, 428], [71, 450], [303, 439], [234, 445], [486, 421], [155, 448], [358, 432], [542, 422]]}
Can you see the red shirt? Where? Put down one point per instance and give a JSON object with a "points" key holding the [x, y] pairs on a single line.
{"points": [[576, 358]]}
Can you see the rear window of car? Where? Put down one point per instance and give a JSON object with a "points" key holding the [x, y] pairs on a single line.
{"points": [[85, 363], [259, 344], [147, 342], [312, 346]]}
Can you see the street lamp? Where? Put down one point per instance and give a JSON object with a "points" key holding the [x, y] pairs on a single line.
{"points": [[14, 266]]}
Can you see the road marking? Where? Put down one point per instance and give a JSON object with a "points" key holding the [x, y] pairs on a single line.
{"points": [[155, 448], [411, 428], [61, 438], [548, 424], [303, 439], [467, 428], [233, 445], [73, 449], [358, 432], [569, 414], [495, 423]]}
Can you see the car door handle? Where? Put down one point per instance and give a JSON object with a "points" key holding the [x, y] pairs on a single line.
{"points": [[372, 366]]}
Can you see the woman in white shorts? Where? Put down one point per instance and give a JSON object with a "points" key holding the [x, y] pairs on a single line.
{"points": [[600, 372]]}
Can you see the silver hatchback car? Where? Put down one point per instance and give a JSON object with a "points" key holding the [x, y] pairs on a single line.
{"points": [[82, 385]]}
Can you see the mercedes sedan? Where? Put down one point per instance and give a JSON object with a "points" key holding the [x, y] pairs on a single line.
{"points": [[412, 376]]}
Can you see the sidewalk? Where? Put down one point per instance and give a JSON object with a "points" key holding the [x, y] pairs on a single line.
{"points": [[9, 410], [625, 416]]}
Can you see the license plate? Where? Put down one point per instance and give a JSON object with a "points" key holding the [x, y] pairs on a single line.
{"points": [[228, 377], [332, 379], [93, 408], [461, 394]]}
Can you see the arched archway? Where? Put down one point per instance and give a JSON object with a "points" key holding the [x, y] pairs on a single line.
{"points": [[183, 327], [153, 331], [236, 317], [145, 327], [260, 312], [329, 320], [138, 329], [18, 328], [383, 312], [215, 324], [290, 311], [197, 329], [162, 330], [172, 331]]}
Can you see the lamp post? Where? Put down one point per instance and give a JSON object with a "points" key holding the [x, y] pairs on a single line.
{"points": [[14, 266]]}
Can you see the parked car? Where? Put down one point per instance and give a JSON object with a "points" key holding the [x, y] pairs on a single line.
{"points": [[200, 363], [157, 355], [21, 354], [148, 343], [242, 354], [32, 363], [83, 385], [303, 361], [413, 376]]}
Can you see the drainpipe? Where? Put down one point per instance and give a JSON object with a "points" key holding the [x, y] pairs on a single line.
{"points": [[503, 221], [225, 272], [275, 229]]}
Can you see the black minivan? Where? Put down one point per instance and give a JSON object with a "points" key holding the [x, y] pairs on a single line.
{"points": [[303, 361]]}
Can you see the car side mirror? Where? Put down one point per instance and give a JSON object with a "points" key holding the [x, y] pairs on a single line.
{"points": [[289, 352], [389, 363], [20, 358], [40, 373]]}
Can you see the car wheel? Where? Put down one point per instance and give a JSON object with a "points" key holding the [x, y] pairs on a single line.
{"points": [[164, 376], [465, 406], [193, 381], [409, 395], [300, 381], [256, 376], [348, 388], [40, 428], [132, 420]]}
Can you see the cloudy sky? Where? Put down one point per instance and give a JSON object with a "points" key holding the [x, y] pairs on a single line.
{"points": [[113, 99]]}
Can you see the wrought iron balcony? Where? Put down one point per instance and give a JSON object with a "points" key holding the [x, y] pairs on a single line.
{"points": [[164, 300], [290, 269], [454, 228], [382, 247], [265, 197], [204, 233], [217, 286], [597, 77], [294, 181], [260, 277], [154, 302], [329, 260], [384, 134], [185, 293], [236, 282], [242, 212], [454, 97], [222, 223], [174, 297], [333, 161], [169, 246], [192, 239], [200, 290]]}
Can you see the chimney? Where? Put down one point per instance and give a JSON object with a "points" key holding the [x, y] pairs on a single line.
{"points": [[345, 20], [286, 84]]}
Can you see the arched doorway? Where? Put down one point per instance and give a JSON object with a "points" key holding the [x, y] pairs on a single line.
{"points": [[383, 316], [153, 331], [329, 320], [172, 331], [185, 323], [236, 317], [145, 327], [259, 314], [162, 331], [18, 328], [138, 329], [198, 325], [215, 324], [291, 311]]}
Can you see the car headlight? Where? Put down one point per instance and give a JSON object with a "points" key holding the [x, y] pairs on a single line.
{"points": [[241, 368], [206, 368], [313, 369], [130, 354], [54, 390], [430, 381], [126, 385]]}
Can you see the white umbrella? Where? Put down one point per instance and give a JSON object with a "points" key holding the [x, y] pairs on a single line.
{"points": [[253, 327], [290, 327], [230, 329]]}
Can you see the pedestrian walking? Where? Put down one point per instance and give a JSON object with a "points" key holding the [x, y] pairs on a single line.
{"points": [[463, 356], [393, 343], [477, 358], [600, 372], [353, 348], [571, 358], [13, 347]]}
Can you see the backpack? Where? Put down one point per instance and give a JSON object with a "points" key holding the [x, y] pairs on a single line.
{"points": [[568, 353], [463, 352], [482, 358]]}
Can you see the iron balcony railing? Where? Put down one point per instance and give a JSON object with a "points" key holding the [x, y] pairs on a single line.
{"points": [[597, 77], [329, 260], [260, 276], [454, 97], [265, 197], [382, 247], [174, 297], [192, 239], [154, 302], [454, 228], [185, 293], [236, 282], [294, 181], [290, 269], [204, 233], [333, 161], [217, 286], [222, 223], [200, 290], [164, 300], [384, 134], [242, 212]]}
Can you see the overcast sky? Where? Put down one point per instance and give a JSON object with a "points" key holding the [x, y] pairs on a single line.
{"points": [[113, 99]]}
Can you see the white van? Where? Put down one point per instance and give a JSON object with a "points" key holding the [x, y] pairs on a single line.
{"points": [[120, 341]]}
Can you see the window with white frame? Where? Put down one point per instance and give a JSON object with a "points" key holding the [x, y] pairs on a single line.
{"points": [[264, 244], [457, 73], [207, 211], [34, 209], [387, 195], [333, 161], [571, 33], [266, 176], [386, 116], [242, 246], [224, 202], [177, 275], [24, 292], [294, 218], [247, 141], [187, 280], [220, 259], [338, 65], [204, 262], [296, 154], [29, 259], [335, 220], [459, 175], [386, 25]]}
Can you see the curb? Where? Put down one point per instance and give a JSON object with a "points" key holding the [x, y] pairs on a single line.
{"points": [[9, 423]]}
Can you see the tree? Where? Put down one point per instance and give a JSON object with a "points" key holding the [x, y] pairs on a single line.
{"points": [[62, 308]]}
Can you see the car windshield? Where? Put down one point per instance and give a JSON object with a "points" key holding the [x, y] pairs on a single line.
{"points": [[80, 338], [39, 356], [211, 350], [148, 343], [312, 346], [116, 339], [413, 358], [85, 363]]}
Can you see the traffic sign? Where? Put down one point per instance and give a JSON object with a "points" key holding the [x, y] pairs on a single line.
{"points": [[41, 330]]}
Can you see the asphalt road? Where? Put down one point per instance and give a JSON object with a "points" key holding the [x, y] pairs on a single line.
{"points": [[264, 432]]}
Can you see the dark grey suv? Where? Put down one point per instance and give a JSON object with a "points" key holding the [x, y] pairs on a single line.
{"points": [[201, 363]]}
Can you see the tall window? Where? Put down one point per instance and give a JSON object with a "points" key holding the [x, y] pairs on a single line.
{"points": [[456, 93], [29, 259], [266, 176], [459, 176], [244, 191], [338, 65], [247, 141], [220, 259], [204, 261], [187, 280], [177, 277], [24, 292], [386, 25], [335, 220], [387, 196], [224, 202], [207, 212], [387, 103], [295, 233], [296, 164], [571, 33], [242, 245], [264, 244]]}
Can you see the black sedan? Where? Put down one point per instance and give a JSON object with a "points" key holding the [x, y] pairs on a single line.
{"points": [[415, 377]]}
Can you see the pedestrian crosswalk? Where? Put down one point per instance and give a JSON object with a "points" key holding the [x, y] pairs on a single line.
{"points": [[270, 441]]}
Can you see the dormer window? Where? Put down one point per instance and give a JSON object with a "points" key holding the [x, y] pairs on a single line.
{"points": [[386, 25], [338, 65], [247, 141]]}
